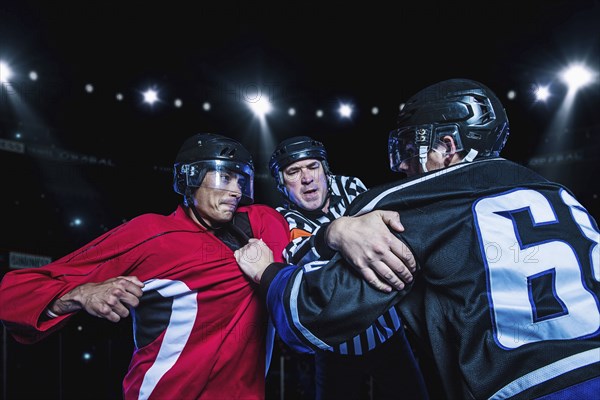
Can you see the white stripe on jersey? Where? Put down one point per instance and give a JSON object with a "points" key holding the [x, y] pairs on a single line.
{"points": [[369, 207], [177, 333]]}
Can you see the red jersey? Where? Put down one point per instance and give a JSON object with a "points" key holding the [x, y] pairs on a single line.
{"points": [[200, 328]]}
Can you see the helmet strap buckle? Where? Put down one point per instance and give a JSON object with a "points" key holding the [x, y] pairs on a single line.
{"points": [[423, 150], [471, 155]]}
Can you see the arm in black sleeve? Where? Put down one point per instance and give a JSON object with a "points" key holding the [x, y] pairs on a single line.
{"points": [[324, 304]]}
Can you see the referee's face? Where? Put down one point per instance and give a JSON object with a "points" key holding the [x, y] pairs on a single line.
{"points": [[306, 183]]}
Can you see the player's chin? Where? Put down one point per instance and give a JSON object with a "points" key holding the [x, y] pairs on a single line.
{"points": [[227, 207], [225, 215]]}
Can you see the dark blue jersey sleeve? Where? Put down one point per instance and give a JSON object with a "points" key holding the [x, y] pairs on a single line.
{"points": [[322, 306], [277, 309]]}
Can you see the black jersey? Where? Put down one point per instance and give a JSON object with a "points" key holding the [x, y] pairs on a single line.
{"points": [[507, 293]]}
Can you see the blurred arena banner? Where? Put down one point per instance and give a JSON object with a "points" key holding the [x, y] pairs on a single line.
{"points": [[18, 260]]}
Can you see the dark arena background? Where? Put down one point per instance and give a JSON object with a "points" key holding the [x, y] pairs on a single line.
{"points": [[96, 97]]}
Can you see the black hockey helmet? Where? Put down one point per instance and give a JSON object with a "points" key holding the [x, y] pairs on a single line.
{"points": [[209, 151], [462, 108], [295, 149]]}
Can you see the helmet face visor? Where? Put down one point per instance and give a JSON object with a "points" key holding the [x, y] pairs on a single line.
{"points": [[404, 143], [222, 175], [407, 142]]}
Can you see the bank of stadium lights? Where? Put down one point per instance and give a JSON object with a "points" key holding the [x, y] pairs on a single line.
{"points": [[576, 76]]}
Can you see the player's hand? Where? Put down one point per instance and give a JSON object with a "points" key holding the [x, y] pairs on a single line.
{"points": [[254, 258], [110, 299], [367, 243]]}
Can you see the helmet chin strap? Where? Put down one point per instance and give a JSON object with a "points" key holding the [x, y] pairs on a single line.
{"points": [[189, 200], [190, 203], [423, 150], [286, 196]]}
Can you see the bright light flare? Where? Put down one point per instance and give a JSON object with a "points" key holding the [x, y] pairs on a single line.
{"points": [[542, 93], [5, 73], [576, 76], [345, 110], [76, 222], [150, 96], [260, 107]]}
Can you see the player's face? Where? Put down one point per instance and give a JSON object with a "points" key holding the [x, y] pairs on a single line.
{"points": [[411, 166], [218, 196], [306, 183]]}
